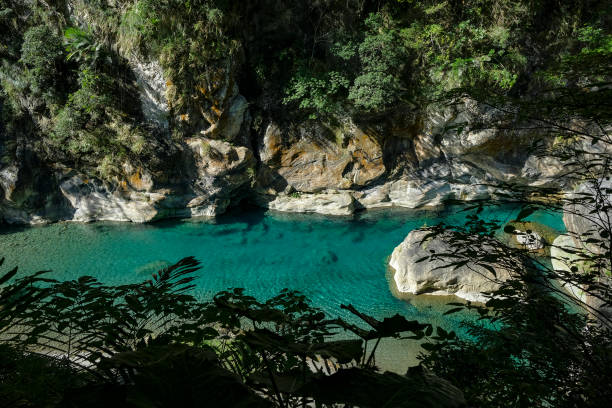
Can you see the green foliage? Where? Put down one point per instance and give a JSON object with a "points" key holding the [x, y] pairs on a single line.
{"points": [[82, 48], [42, 53], [418, 50], [77, 126], [190, 40], [153, 344], [537, 355], [91, 124], [479, 45], [319, 95], [324, 58], [382, 60], [40, 380]]}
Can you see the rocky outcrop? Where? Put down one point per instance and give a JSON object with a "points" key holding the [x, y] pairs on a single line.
{"points": [[221, 172], [93, 200], [452, 152], [469, 282], [327, 203], [313, 158], [212, 174]]}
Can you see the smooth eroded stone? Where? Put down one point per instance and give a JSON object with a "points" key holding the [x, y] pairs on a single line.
{"points": [[469, 282]]}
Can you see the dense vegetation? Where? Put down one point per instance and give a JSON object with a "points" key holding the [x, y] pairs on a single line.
{"points": [[67, 84]]}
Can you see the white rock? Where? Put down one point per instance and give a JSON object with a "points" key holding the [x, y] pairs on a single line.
{"points": [[8, 180], [375, 197], [93, 202], [530, 240], [429, 277], [152, 91], [329, 203], [413, 194], [563, 261]]}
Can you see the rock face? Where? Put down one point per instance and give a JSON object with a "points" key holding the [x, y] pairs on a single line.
{"points": [[583, 223], [93, 200], [581, 219], [408, 158], [563, 257], [313, 158], [468, 282], [399, 161], [211, 174], [152, 91], [562, 261], [221, 171]]}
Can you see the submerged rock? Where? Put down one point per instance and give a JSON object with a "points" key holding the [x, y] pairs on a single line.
{"points": [[469, 282], [150, 268], [329, 258]]}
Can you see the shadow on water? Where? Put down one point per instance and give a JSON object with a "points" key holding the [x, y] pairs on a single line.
{"points": [[12, 228]]}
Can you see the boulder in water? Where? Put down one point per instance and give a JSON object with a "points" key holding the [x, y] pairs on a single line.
{"points": [[469, 282]]}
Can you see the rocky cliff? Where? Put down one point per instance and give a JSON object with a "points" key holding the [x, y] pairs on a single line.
{"points": [[192, 144], [408, 158]]}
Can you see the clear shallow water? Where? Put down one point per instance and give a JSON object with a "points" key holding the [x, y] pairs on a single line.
{"points": [[331, 260]]}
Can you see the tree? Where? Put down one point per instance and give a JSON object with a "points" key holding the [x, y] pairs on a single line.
{"points": [[42, 53]]}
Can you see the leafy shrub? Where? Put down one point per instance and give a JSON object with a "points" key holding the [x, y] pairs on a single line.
{"points": [[383, 58], [318, 95], [42, 53], [92, 128], [154, 344], [82, 48]]}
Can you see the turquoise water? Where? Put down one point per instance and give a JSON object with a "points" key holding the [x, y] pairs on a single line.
{"points": [[332, 260]]}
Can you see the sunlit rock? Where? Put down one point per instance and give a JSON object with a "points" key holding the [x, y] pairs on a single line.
{"points": [[469, 282]]}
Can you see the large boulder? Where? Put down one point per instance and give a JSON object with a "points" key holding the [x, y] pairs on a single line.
{"points": [[469, 282]]}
